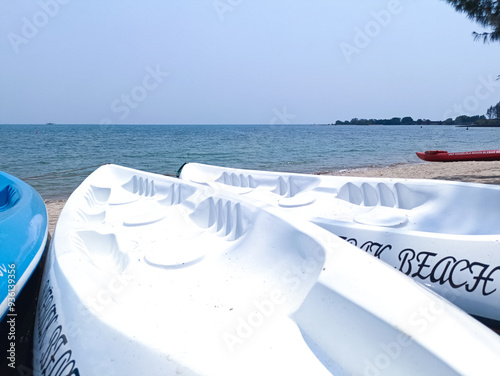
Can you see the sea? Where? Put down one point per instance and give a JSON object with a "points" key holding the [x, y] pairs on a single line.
{"points": [[56, 158]]}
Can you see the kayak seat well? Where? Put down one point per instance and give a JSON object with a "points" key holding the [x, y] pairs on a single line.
{"points": [[223, 216], [96, 197], [175, 194], [143, 188], [140, 186], [326, 314], [381, 216], [398, 195], [237, 180], [102, 250], [286, 186], [9, 196], [83, 216], [290, 186]]}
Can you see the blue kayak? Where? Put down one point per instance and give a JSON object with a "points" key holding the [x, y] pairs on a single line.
{"points": [[23, 236]]}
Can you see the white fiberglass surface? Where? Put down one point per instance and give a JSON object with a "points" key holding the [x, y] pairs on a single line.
{"points": [[199, 264], [211, 282], [443, 234], [415, 205], [130, 229], [430, 206]]}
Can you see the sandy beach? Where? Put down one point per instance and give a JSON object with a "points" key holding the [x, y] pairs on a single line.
{"points": [[472, 172], [54, 208]]}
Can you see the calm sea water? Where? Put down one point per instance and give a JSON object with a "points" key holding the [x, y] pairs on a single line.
{"points": [[28, 151]]}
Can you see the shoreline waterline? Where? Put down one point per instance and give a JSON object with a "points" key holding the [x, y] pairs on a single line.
{"points": [[55, 159]]}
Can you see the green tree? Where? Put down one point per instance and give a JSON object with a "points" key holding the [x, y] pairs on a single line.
{"points": [[494, 112], [489, 112], [395, 121], [484, 12], [407, 120]]}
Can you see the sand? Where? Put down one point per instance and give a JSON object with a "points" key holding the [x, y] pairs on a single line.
{"points": [[54, 208], [473, 172]]}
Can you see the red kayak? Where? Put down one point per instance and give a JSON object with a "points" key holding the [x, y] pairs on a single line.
{"points": [[444, 156]]}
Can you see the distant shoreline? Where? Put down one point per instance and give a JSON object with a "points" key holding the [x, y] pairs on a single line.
{"points": [[459, 121], [338, 123]]}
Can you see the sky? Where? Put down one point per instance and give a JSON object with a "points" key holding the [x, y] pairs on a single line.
{"points": [[240, 61]]}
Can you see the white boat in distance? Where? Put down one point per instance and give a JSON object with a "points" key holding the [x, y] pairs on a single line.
{"points": [[445, 235], [151, 275]]}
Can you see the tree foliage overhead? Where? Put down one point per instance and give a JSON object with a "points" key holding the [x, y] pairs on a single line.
{"points": [[484, 12]]}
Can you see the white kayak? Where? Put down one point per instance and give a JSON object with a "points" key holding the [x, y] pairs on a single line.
{"points": [[445, 235], [151, 275]]}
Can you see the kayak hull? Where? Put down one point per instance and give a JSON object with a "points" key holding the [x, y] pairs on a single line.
{"points": [[23, 241], [444, 156], [152, 275], [443, 234], [23, 237]]}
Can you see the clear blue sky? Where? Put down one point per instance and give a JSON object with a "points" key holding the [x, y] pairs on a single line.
{"points": [[240, 61]]}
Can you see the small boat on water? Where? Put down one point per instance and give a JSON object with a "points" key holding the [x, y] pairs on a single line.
{"points": [[445, 235], [148, 274], [444, 156], [23, 237]]}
